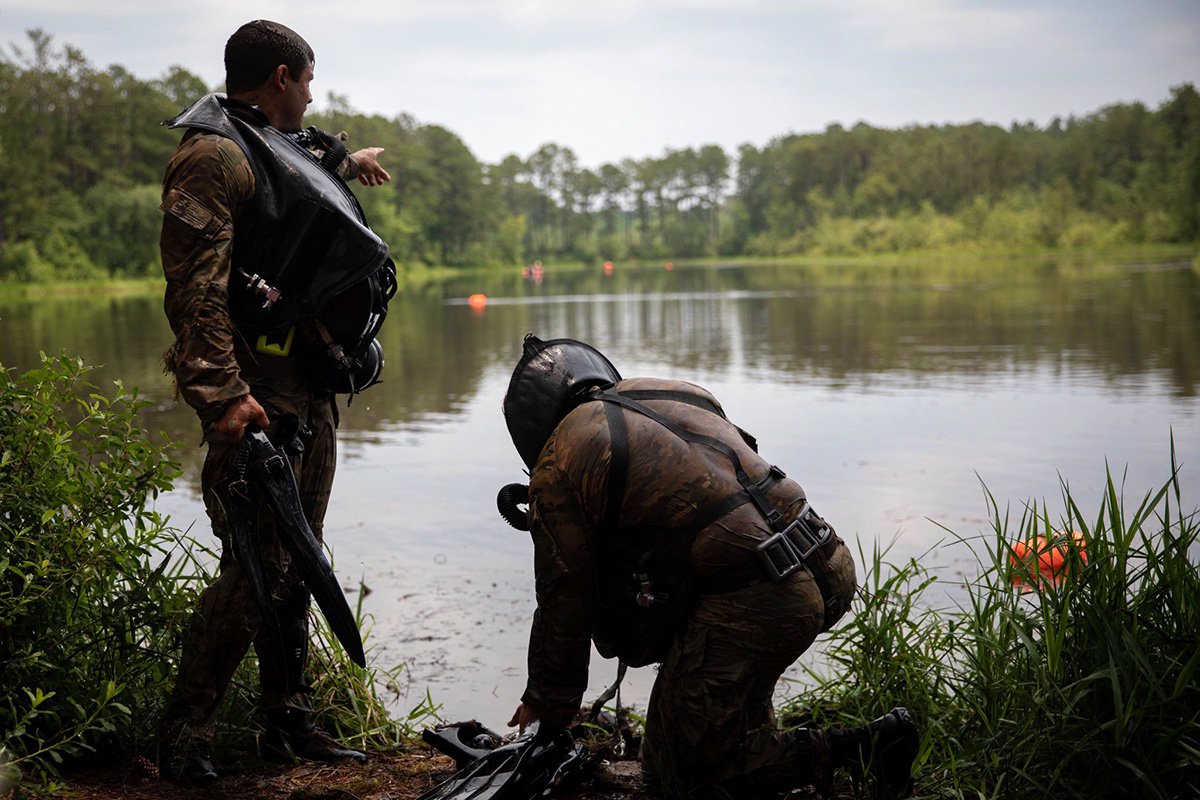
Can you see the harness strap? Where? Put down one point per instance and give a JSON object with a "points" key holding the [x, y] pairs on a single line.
{"points": [[614, 690], [618, 469], [672, 394], [611, 396], [782, 544], [692, 400]]}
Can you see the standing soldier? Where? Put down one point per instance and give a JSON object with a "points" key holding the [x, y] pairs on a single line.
{"points": [[661, 535], [275, 290]]}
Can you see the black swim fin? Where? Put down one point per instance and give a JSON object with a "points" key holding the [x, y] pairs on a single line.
{"points": [[532, 766], [241, 513], [462, 741], [271, 469]]}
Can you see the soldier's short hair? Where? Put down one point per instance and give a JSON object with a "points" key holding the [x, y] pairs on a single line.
{"points": [[257, 48]]}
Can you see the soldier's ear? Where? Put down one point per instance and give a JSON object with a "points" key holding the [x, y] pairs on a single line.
{"points": [[279, 78]]}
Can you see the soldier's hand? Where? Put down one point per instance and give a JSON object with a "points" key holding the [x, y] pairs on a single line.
{"points": [[523, 717], [238, 414], [370, 171]]}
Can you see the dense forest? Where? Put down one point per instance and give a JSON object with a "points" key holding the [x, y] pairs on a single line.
{"points": [[82, 154]]}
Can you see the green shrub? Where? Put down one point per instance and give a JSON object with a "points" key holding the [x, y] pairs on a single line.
{"points": [[68, 258], [21, 261], [96, 590], [88, 606], [121, 230]]}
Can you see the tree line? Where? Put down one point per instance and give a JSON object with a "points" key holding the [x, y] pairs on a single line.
{"points": [[82, 155]]}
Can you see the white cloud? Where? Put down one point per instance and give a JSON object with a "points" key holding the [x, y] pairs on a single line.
{"points": [[633, 77], [916, 25]]}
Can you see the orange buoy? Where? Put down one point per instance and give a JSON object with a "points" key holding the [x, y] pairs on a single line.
{"points": [[477, 301], [668, 266], [1043, 559], [608, 268]]}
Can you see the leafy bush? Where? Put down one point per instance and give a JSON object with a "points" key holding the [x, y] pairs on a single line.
{"points": [[121, 229], [21, 261], [96, 589], [88, 607]]}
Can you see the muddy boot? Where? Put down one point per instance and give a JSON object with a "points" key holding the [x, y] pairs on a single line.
{"points": [[185, 756], [888, 746], [291, 736]]}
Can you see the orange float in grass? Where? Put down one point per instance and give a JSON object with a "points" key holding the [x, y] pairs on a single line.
{"points": [[1044, 559]]}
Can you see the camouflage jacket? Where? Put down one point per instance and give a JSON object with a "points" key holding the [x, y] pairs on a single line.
{"points": [[670, 482], [207, 189]]}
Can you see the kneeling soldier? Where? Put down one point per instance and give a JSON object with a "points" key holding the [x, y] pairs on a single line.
{"points": [[662, 536]]}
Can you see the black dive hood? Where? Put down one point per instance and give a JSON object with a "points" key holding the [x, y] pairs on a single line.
{"points": [[546, 385]]}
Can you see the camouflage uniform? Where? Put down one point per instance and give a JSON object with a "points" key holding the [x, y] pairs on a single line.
{"points": [[710, 720], [209, 187]]}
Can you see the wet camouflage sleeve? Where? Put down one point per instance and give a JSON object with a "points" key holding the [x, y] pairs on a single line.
{"points": [[349, 169], [208, 184], [563, 516]]}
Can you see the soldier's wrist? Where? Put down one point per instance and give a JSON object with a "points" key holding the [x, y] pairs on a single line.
{"points": [[216, 411]]}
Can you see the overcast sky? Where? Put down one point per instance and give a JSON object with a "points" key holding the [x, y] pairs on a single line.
{"points": [[615, 79]]}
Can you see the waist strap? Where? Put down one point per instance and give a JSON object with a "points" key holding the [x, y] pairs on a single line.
{"points": [[750, 571]]}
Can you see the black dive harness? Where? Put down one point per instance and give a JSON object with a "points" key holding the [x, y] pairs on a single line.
{"points": [[264, 471], [794, 545], [305, 257]]}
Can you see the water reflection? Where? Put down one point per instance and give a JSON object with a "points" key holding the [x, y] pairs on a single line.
{"points": [[889, 392]]}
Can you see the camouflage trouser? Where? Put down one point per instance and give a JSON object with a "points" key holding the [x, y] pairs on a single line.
{"points": [[710, 727], [227, 619]]}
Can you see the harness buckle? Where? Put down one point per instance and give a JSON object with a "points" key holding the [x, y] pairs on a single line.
{"points": [[778, 556], [788, 550], [807, 532]]}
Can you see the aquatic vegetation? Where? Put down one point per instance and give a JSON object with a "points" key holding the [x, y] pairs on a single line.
{"points": [[1087, 685]]}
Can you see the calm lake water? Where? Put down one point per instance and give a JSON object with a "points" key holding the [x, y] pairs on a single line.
{"points": [[893, 394]]}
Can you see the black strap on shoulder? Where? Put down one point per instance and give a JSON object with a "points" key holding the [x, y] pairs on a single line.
{"points": [[696, 400], [618, 470], [752, 491], [617, 398], [672, 394]]}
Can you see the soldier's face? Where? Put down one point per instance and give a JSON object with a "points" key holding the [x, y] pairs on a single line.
{"points": [[295, 100]]}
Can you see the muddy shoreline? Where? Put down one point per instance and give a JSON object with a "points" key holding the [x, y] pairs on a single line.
{"points": [[400, 774]]}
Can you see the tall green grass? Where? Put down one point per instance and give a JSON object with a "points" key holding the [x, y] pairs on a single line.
{"points": [[349, 697], [348, 701], [1084, 687]]}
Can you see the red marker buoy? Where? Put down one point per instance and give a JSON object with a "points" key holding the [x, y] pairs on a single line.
{"points": [[477, 302], [1044, 559]]}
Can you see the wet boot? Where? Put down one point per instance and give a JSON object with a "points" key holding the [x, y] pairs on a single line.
{"points": [[291, 736], [192, 767], [185, 756], [290, 733], [888, 746]]}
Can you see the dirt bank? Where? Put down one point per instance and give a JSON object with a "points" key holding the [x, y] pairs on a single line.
{"points": [[393, 775]]}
